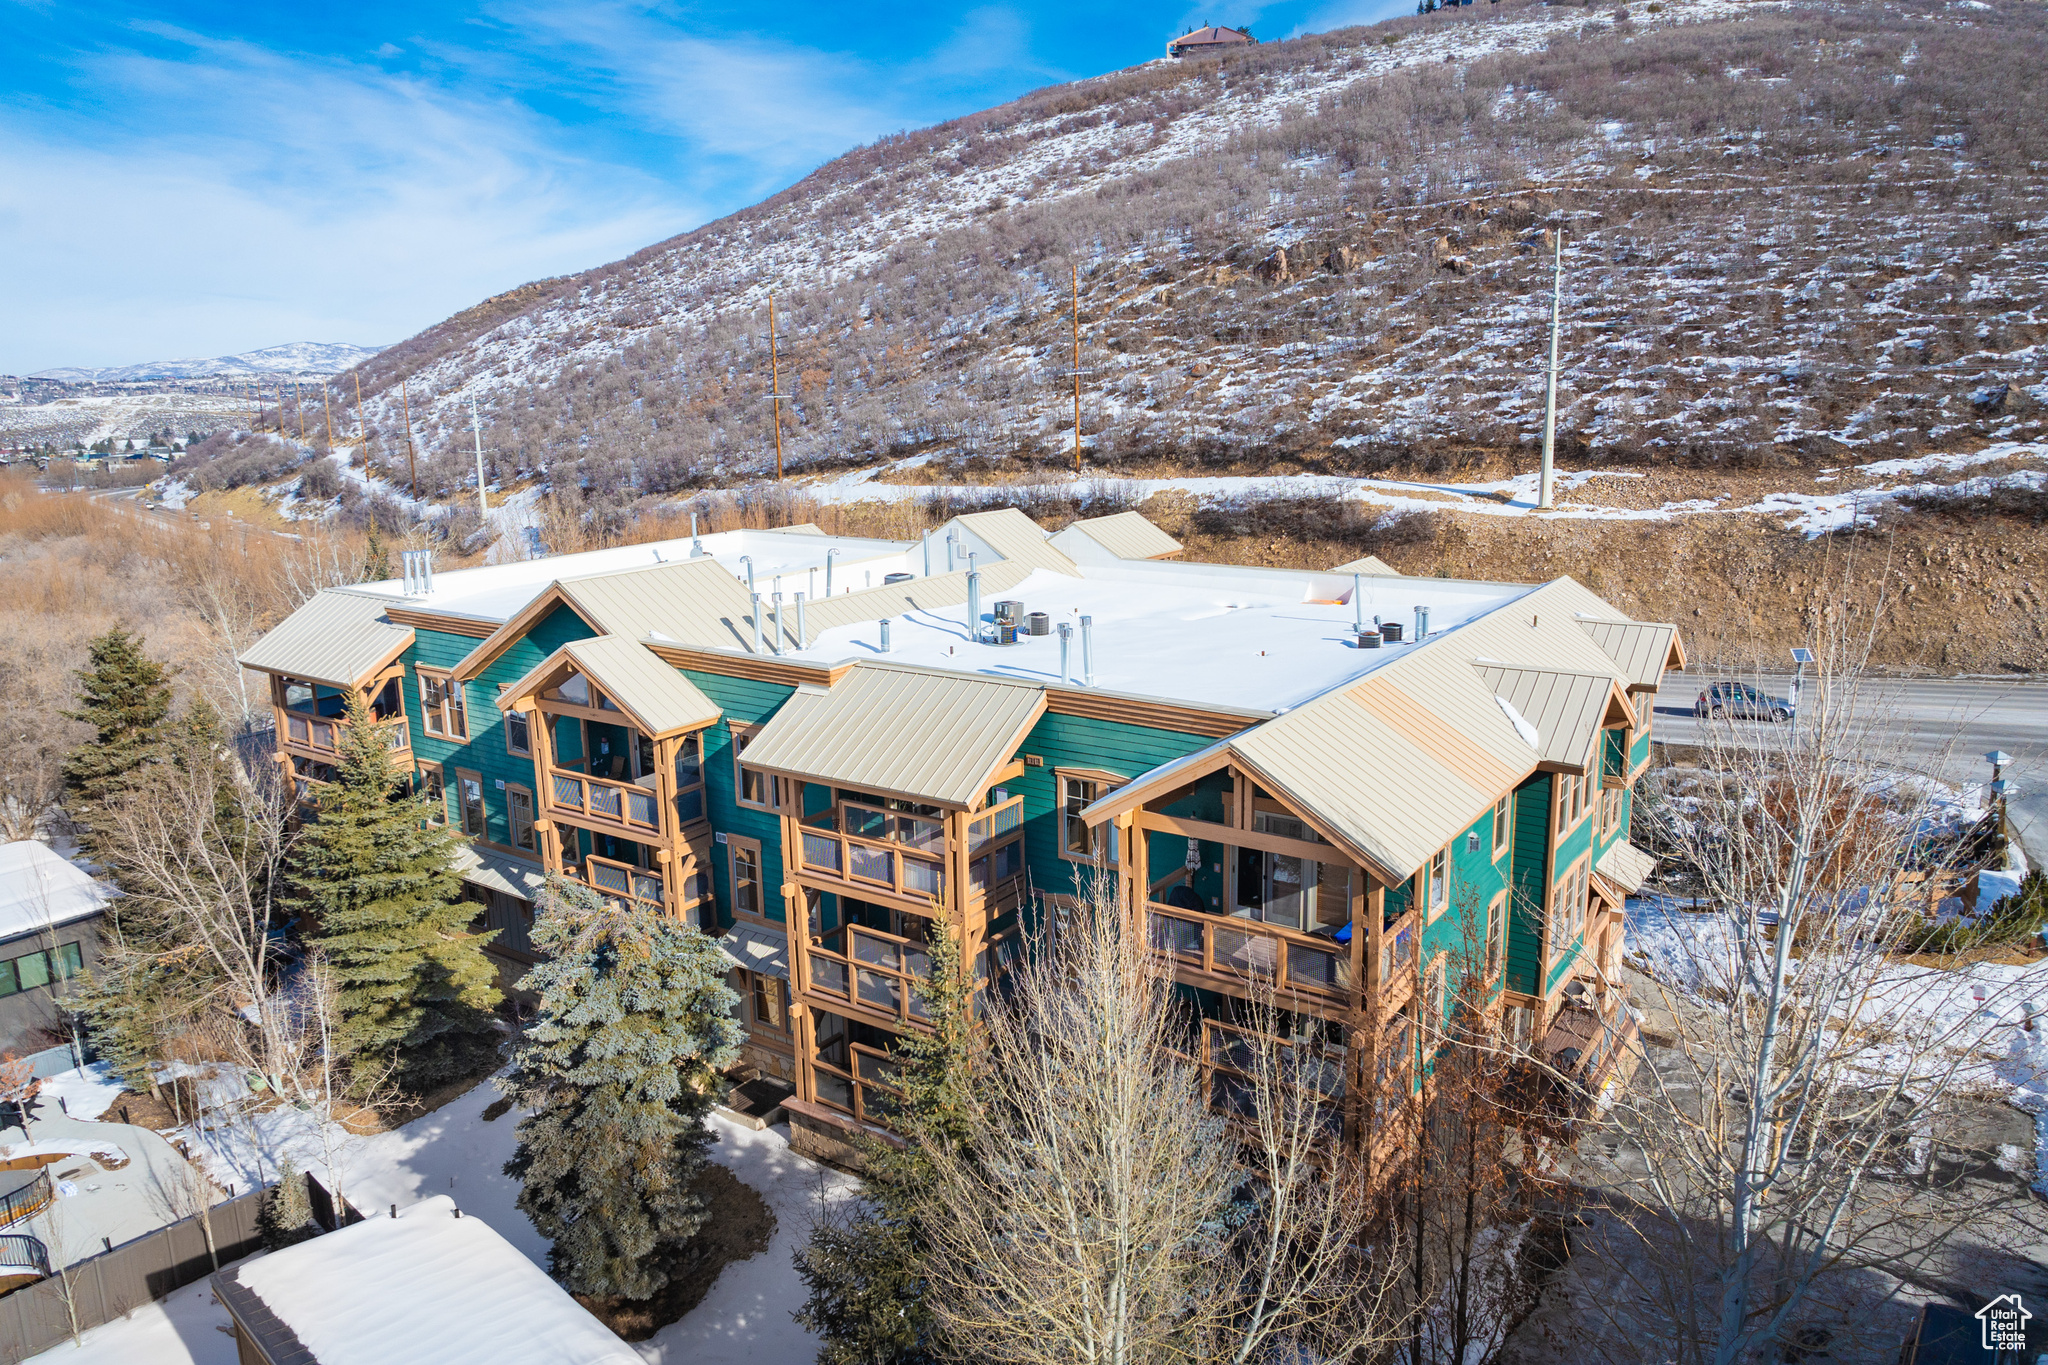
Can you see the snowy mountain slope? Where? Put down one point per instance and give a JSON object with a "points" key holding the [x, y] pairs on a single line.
{"points": [[296, 357], [1792, 234]]}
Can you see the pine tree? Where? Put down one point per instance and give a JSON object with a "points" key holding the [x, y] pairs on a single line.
{"points": [[635, 1023], [863, 1271], [376, 563], [286, 1218], [378, 883], [124, 695]]}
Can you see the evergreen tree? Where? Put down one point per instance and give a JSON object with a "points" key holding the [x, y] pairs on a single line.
{"points": [[378, 883], [124, 695], [864, 1271], [376, 562], [619, 1071], [286, 1218]]}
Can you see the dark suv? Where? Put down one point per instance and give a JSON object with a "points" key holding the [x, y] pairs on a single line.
{"points": [[1741, 701]]}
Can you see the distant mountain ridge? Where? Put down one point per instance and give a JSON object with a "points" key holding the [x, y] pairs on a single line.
{"points": [[294, 357]]}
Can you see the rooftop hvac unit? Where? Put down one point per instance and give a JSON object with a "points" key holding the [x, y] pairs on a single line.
{"points": [[1009, 612], [1038, 623]]}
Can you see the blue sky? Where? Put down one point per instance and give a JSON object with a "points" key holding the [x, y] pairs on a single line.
{"points": [[202, 178]]}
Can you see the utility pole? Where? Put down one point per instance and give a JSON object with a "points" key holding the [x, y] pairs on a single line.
{"points": [[476, 430], [411, 466], [327, 406], [358, 373], [1543, 502], [775, 385], [1076, 270]]}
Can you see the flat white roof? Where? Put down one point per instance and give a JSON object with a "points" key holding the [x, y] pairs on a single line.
{"points": [[497, 592], [40, 890], [1206, 635], [425, 1288]]}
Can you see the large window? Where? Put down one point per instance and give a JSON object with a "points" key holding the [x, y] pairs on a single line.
{"points": [[755, 787], [27, 972], [771, 1002], [690, 778], [746, 878], [441, 705], [1501, 825], [519, 734], [519, 806], [437, 796], [1568, 906], [1496, 935], [469, 789], [1079, 840], [1439, 882]]}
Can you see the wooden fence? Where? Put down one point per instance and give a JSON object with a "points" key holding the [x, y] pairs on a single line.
{"points": [[103, 1287]]}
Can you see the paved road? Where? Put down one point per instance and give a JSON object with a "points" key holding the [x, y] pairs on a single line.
{"points": [[1948, 726]]}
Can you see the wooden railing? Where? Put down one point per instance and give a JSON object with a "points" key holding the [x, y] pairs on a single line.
{"points": [[867, 967], [866, 1091], [886, 866], [1246, 948], [621, 803], [325, 734], [1229, 1065], [622, 881]]}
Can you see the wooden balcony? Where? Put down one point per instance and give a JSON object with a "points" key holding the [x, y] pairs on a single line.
{"points": [[1229, 1065], [622, 883], [859, 865], [865, 967], [1217, 952], [603, 803], [863, 1087], [324, 735]]}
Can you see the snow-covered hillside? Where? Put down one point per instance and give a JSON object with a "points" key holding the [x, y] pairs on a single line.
{"points": [[1809, 234], [292, 358]]}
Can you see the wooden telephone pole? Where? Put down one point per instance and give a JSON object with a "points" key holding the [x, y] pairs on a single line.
{"points": [[1076, 269], [775, 385], [327, 406], [411, 466], [1547, 478]]}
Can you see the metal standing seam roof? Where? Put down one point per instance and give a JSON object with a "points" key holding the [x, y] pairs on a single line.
{"points": [[1128, 535], [691, 602], [1018, 539], [337, 637], [1627, 866], [1370, 564], [1566, 708], [500, 872], [1641, 649], [1398, 763], [757, 949], [924, 736], [654, 696], [904, 599]]}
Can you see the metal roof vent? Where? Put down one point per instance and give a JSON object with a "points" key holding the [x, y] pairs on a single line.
{"points": [[417, 570]]}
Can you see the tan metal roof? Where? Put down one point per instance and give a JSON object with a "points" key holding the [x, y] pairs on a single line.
{"points": [[900, 599], [1398, 763], [1017, 538], [1371, 564], [925, 736], [1566, 708], [1627, 866], [339, 638], [655, 697], [689, 602], [1127, 535], [1641, 649]]}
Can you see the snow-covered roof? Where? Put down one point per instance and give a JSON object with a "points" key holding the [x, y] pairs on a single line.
{"points": [[430, 1287], [39, 890]]}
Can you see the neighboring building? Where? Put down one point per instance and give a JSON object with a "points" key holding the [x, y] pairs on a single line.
{"points": [[49, 933], [1109, 540], [1207, 42], [426, 1287], [1286, 804]]}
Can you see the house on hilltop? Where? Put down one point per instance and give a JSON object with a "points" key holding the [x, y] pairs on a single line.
{"points": [[1208, 41], [825, 751]]}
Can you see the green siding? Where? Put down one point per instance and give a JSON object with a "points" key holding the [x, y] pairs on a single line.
{"points": [[1531, 858], [1475, 880], [744, 702]]}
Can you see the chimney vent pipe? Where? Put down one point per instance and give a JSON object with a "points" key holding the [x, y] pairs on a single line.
{"points": [[757, 621], [1088, 651], [1421, 624], [885, 635], [1066, 654]]}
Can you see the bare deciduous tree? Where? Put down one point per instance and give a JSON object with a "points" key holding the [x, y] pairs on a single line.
{"points": [[1099, 1212]]}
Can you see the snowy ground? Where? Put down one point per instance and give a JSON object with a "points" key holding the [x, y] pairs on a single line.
{"points": [[1871, 486], [453, 1151]]}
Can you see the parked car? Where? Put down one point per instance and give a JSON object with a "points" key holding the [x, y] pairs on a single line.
{"points": [[1741, 701]]}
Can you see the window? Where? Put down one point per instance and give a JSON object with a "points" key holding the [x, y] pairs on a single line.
{"points": [[441, 705], [469, 789], [1078, 840], [755, 787], [1568, 906], [519, 734], [1496, 935], [771, 1002], [39, 969], [690, 778], [437, 797], [1439, 882], [1500, 824], [1435, 997], [519, 804], [746, 879]]}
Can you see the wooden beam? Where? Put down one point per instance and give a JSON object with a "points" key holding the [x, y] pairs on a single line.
{"points": [[1246, 838]]}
